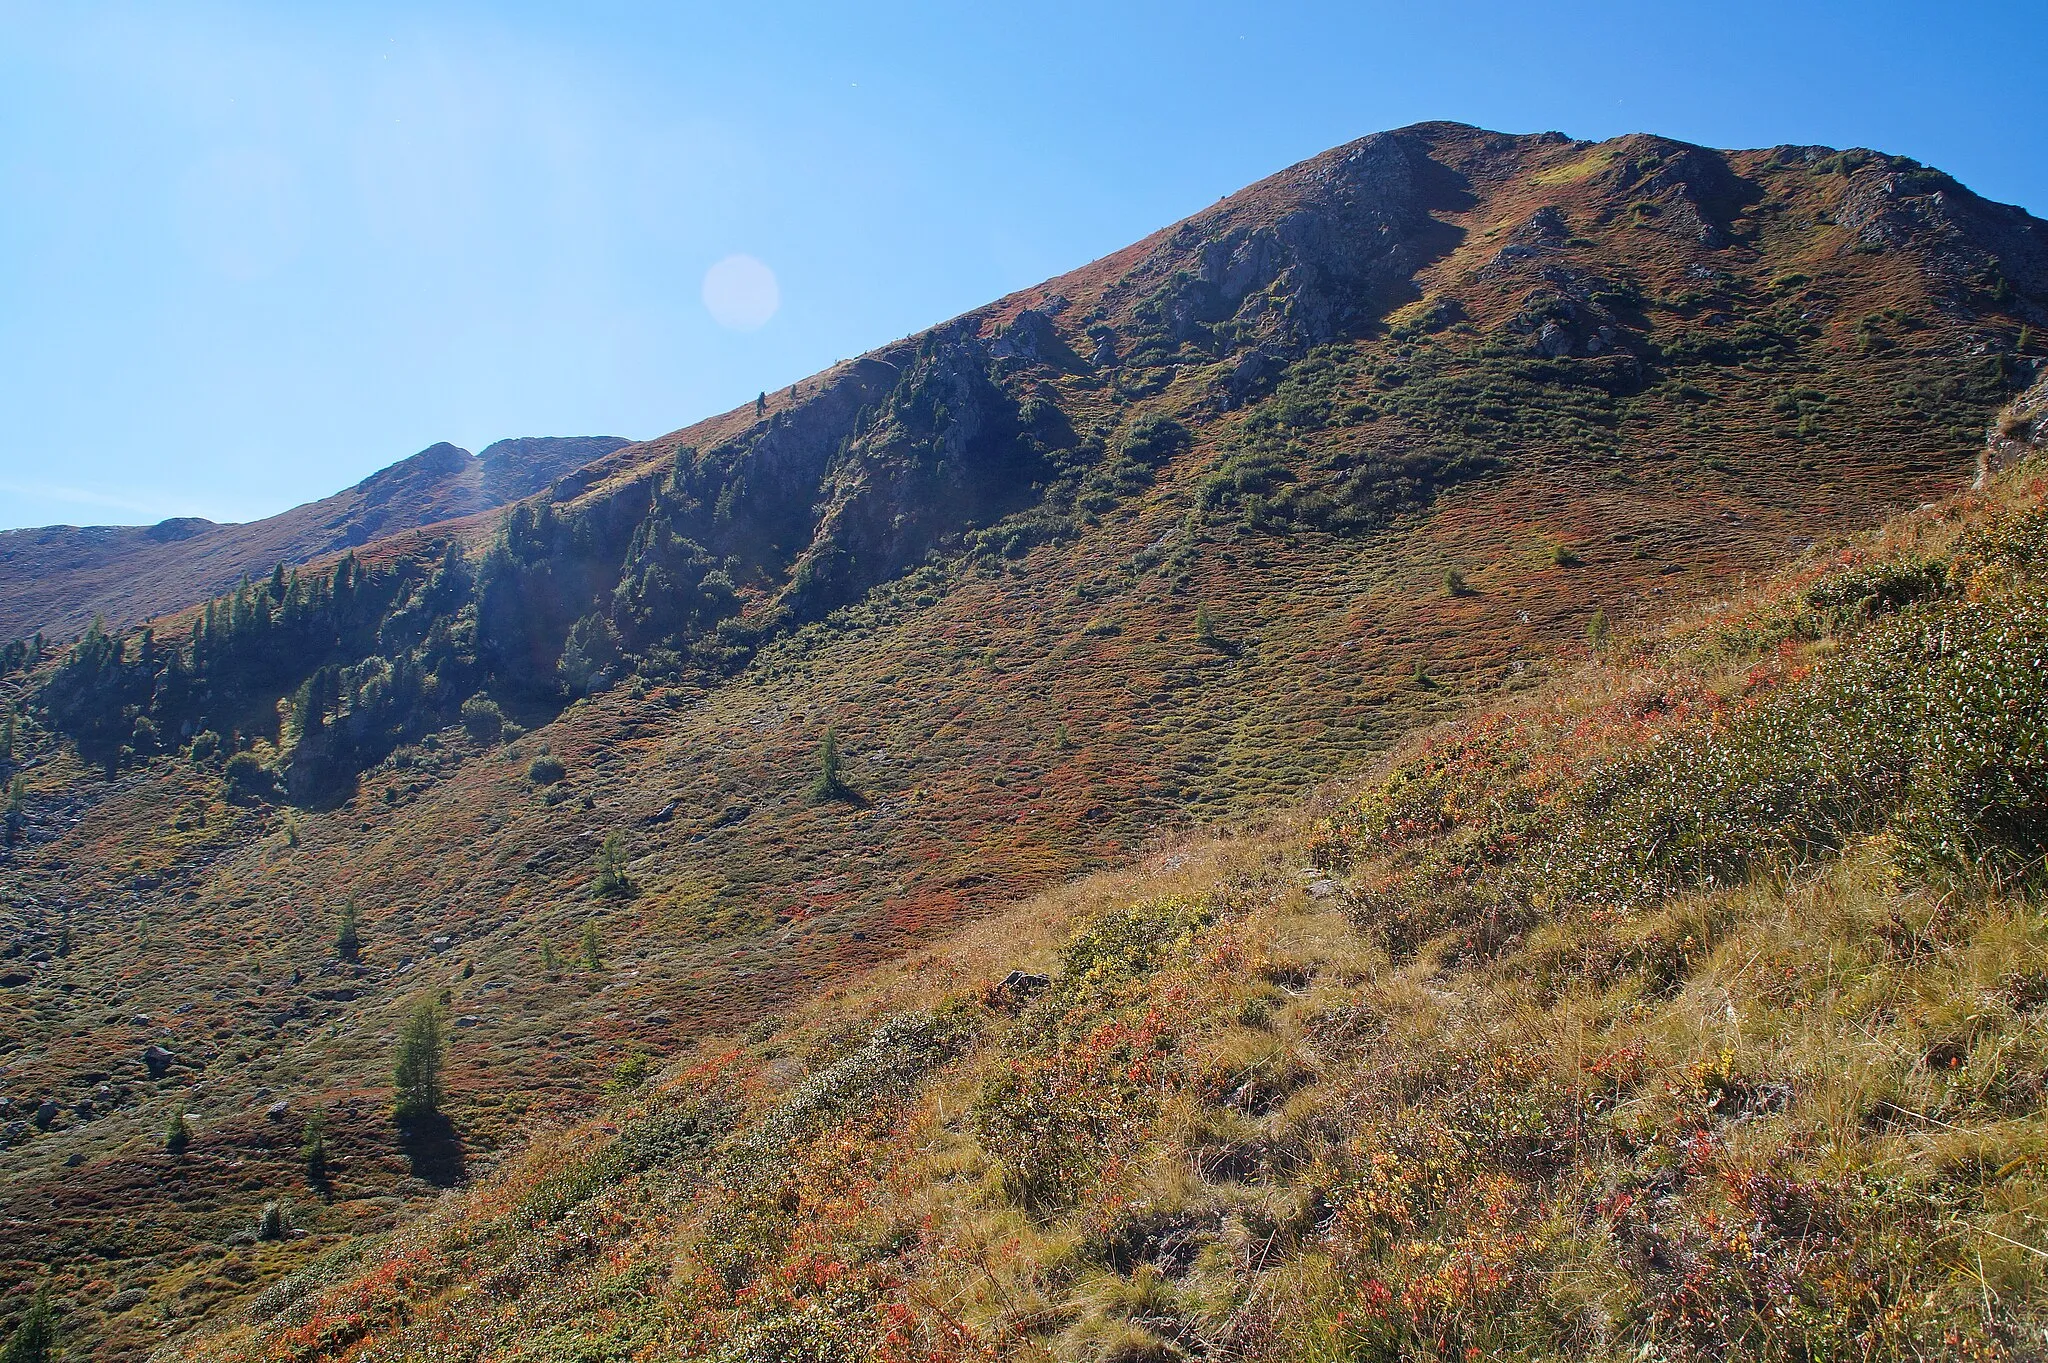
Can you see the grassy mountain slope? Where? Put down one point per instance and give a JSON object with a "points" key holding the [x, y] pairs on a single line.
{"points": [[1168, 539], [56, 578], [1689, 1006]]}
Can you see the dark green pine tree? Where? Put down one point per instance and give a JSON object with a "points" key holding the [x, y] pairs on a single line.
{"points": [[313, 1147], [829, 785], [35, 1339], [416, 1074], [348, 942]]}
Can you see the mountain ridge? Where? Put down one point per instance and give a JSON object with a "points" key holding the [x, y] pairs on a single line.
{"points": [[56, 579]]}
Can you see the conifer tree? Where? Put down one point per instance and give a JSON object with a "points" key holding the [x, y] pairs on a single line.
{"points": [[829, 785], [348, 942], [593, 954], [611, 881], [416, 1074], [313, 1147], [35, 1339]]}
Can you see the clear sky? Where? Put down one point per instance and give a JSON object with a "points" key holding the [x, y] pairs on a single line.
{"points": [[250, 253]]}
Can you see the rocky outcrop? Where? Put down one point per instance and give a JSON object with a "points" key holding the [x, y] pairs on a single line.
{"points": [[1319, 252], [1980, 251], [1681, 189], [2020, 430], [943, 454]]}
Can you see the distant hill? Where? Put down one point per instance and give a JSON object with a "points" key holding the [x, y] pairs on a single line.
{"points": [[56, 578]]}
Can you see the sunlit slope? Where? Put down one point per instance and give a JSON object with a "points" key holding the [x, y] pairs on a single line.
{"points": [[1687, 1007]]}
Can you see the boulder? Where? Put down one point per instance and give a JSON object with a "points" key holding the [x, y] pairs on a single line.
{"points": [[1018, 987], [157, 1061]]}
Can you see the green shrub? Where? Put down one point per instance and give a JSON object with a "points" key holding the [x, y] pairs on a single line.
{"points": [[246, 779], [545, 770], [670, 1137], [1128, 942], [483, 719], [1856, 594], [1933, 728]]}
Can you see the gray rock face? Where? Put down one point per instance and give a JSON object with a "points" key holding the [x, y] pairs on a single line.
{"points": [[1359, 228], [942, 456], [1967, 242], [2021, 430], [1545, 231], [1030, 336]]}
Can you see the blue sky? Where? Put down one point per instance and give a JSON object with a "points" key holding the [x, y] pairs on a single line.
{"points": [[250, 253]]}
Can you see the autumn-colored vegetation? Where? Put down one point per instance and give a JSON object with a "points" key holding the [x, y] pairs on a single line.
{"points": [[1689, 1007], [566, 766]]}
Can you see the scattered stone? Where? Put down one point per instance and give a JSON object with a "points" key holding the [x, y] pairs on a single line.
{"points": [[46, 1112], [157, 1061], [1019, 986], [277, 1110]]}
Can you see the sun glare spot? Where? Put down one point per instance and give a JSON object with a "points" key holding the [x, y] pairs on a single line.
{"points": [[741, 293]]}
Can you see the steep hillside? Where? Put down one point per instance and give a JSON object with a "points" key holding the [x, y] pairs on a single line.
{"points": [[55, 579], [1168, 540], [1689, 1008]]}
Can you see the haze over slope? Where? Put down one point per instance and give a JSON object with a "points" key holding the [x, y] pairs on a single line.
{"points": [[56, 578], [1171, 537]]}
